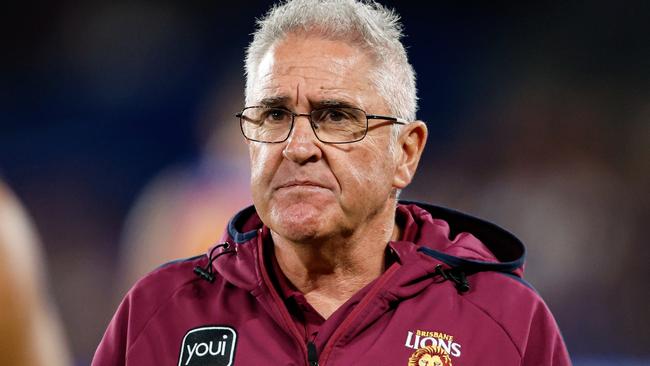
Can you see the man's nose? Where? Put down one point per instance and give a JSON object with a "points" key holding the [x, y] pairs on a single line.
{"points": [[302, 145]]}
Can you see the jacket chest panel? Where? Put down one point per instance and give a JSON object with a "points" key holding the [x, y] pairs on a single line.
{"points": [[452, 329]]}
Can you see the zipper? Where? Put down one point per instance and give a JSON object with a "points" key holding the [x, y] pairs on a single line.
{"points": [[286, 317], [327, 351], [312, 354]]}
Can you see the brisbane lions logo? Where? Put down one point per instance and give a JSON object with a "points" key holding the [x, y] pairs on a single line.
{"points": [[430, 356]]}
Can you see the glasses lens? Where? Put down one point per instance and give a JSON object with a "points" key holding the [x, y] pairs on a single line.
{"points": [[266, 124], [339, 124]]}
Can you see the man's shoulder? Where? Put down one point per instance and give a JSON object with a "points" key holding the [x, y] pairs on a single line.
{"points": [[163, 283], [513, 304], [513, 291]]}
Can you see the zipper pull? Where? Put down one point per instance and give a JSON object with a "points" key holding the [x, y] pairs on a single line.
{"points": [[312, 354]]}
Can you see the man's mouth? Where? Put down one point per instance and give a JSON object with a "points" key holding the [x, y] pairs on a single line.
{"points": [[301, 183]]}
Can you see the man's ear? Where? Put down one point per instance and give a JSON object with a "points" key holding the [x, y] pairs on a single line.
{"points": [[410, 145]]}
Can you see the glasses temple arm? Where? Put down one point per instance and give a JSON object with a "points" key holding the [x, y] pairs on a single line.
{"points": [[389, 118]]}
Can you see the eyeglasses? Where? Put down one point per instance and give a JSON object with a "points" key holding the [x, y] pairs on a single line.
{"points": [[333, 125]]}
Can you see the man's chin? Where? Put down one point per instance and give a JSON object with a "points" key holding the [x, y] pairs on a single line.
{"points": [[300, 221]]}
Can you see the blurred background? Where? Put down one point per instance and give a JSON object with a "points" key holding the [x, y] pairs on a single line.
{"points": [[119, 149]]}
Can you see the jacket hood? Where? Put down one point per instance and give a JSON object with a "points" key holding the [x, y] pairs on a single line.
{"points": [[461, 240], [464, 244]]}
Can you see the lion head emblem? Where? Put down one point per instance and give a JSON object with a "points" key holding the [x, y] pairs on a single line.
{"points": [[430, 356]]}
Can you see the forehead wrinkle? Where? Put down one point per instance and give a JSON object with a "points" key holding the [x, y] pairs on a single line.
{"points": [[337, 80], [335, 65], [326, 77], [275, 95]]}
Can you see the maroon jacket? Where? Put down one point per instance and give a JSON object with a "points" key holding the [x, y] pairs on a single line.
{"points": [[454, 296]]}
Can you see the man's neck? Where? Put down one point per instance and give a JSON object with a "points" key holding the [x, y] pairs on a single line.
{"points": [[329, 273]]}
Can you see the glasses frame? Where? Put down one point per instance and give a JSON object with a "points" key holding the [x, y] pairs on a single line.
{"points": [[391, 119]]}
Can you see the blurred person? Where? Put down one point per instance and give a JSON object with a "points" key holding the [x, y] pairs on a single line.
{"points": [[182, 211], [30, 330], [548, 168], [551, 170], [328, 267]]}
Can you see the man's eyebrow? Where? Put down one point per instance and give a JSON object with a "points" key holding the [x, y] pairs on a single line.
{"points": [[332, 103], [274, 101]]}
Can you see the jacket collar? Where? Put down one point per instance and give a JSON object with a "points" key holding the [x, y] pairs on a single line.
{"points": [[439, 234]]}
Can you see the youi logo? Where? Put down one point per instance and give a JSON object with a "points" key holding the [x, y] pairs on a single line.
{"points": [[208, 346]]}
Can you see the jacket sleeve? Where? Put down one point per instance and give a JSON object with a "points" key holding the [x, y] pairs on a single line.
{"points": [[113, 346], [544, 344]]}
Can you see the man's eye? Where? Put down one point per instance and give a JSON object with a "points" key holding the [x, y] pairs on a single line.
{"points": [[335, 115], [276, 115]]}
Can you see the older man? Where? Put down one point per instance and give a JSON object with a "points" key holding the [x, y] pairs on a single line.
{"points": [[327, 268]]}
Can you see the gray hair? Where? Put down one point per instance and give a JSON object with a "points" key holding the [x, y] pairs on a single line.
{"points": [[365, 23]]}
